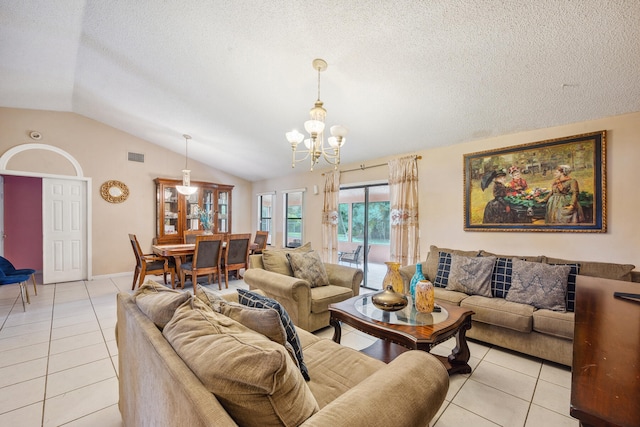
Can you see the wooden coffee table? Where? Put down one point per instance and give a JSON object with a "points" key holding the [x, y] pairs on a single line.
{"points": [[406, 329]]}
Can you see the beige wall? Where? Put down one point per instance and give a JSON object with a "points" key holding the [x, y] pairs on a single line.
{"points": [[102, 152], [441, 197]]}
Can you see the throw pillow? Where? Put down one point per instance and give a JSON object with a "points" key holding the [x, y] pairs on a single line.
{"points": [[540, 285], [252, 299], [207, 296], [571, 285], [158, 302], [444, 267], [430, 266], [275, 260], [308, 266], [501, 277], [253, 378], [471, 275], [264, 321]]}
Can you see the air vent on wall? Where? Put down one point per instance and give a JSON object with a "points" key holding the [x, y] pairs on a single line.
{"points": [[136, 157]]}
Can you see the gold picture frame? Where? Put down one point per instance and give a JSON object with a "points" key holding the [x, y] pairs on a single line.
{"points": [[556, 185], [114, 191]]}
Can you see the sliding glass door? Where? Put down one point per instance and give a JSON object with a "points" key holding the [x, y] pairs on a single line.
{"points": [[363, 231]]}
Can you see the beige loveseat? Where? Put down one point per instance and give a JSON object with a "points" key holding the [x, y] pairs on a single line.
{"points": [[308, 306], [542, 333], [346, 388]]}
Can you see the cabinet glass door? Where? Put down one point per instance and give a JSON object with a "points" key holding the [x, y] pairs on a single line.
{"points": [[193, 222], [207, 207], [170, 200], [223, 212]]}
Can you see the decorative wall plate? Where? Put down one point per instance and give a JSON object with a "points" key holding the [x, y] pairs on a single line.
{"points": [[114, 191]]}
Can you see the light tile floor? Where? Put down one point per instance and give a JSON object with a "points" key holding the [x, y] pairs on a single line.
{"points": [[58, 366]]}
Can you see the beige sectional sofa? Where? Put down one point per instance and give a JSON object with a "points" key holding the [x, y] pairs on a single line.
{"points": [[307, 305], [543, 333], [174, 350]]}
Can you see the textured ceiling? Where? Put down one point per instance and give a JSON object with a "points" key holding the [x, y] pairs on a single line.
{"points": [[402, 76]]}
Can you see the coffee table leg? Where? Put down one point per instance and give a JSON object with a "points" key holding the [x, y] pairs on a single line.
{"points": [[337, 330], [460, 354]]}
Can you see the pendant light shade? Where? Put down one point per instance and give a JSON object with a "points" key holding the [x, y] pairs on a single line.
{"points": [[186, 187]]}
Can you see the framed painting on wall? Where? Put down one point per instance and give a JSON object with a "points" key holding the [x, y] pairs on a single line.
{"points": [[555, 185]]}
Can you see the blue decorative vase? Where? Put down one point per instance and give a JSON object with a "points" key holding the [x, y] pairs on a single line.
{"points": [[418, 276]]}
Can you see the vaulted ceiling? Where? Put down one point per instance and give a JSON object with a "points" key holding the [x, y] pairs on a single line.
{"points": [[402, 75]]}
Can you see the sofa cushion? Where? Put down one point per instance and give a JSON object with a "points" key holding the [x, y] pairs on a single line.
{"points": [[452, 297], [530, 258], [342, 368], [276, 260], [430, 266], [251, 299], [556, 323], [308, 266], [322, 296], [158, 302], [540, 285], [471, 275], [253, 378], [265, 321], [606, 270], [500, 312]]}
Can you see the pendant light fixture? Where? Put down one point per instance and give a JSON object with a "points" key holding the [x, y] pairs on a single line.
{"points": [[186, 187], [315, 145]]}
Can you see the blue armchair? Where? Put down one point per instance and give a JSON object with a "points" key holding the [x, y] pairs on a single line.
{"points": [[17, 278], [9, 270]]}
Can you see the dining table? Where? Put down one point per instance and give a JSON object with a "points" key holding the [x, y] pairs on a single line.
{"points": [[178, 251]]}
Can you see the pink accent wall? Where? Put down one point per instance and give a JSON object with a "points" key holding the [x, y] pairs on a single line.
{"points": [[23, 221]]}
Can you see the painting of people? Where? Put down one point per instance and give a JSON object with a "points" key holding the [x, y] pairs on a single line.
{"points": [[552, 185]]}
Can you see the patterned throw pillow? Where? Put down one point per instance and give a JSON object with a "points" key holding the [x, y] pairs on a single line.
{"points": [[251, 299], [540, 285], [471, 275], [444, 267], [308, 266], [571, 285], [501, 277]]}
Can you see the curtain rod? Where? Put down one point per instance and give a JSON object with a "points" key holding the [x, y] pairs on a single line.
{"points": [[363, 167]]}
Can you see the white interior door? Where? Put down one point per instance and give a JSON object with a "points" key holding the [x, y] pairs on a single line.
{"points": [[64, 230]]}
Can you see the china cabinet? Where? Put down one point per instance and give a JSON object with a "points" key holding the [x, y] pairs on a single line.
{"points": [[209, 209]]}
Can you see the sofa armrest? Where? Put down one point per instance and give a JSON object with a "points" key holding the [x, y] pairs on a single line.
{"points": [[294, 294], [406, 392], [407, 273], [347, 277]]}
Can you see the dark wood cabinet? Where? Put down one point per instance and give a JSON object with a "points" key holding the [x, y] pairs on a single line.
{"points": [[177, 213]]}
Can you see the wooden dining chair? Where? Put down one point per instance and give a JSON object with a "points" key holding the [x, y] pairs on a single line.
{"points": [[236, 255], [150, 264], [190, 235], [260, 242], [206, 260]]}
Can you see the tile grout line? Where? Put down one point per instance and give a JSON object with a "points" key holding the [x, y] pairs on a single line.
{"points": [[46, 376]]}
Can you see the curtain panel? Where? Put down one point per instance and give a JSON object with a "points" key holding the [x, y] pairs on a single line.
{"points": [[403, 189], [330, 217]]}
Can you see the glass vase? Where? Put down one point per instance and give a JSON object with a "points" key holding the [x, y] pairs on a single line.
{"points": [[425, 300], [393, 277], [418, 276]]}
